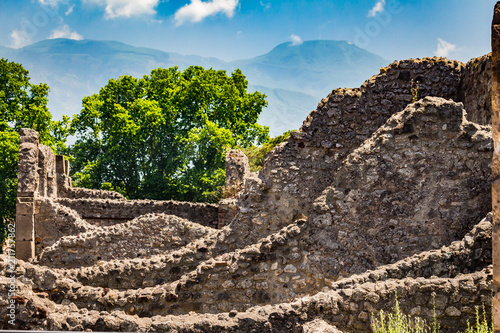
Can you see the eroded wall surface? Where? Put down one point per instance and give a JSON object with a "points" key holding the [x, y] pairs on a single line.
{"points": [[298, 171], [49, 208]]}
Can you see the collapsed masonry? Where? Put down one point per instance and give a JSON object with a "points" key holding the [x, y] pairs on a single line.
{"points": [[374, 194]]}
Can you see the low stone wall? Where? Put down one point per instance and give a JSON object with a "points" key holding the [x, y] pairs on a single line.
{"points": [[145, 236], [108, 212], [53, 221], [451, 282]]}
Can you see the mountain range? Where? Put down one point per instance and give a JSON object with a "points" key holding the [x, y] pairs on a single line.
{"points": [[294, 77]]}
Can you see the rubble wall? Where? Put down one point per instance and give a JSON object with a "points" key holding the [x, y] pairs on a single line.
{"points": [[49, 208], [475, 89], [108, 212], [298, 170]]}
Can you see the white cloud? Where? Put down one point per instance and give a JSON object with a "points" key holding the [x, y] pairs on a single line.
{"points": [[444, 48], [378, 8], [51, 3], [70, 10], [197, 10], [127, 8], [296, 40], [19, 39], [65, 32], [265, 5]]}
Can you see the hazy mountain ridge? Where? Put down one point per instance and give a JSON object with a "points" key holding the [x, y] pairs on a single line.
{"points": [[314, 67], [294, 77]]}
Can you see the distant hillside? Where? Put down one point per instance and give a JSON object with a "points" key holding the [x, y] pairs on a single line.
{"points": [[313, 67], [295, 78]]}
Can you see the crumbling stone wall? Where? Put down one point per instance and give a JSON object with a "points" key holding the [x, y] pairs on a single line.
{"points": [[456, 279], [416, 184], [370, 179], [237, 172], [27, 188], [475, 89], [108, 212], [48, 207], [297, 171], [145, 236]]}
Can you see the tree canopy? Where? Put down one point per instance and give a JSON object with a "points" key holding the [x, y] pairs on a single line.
{"points": [[164, 136], [22, 104]]}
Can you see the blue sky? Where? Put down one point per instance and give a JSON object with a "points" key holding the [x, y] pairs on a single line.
{"points": [[239, 29]]}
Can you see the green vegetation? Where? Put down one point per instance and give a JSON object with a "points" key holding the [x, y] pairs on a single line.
{"points": [[482, 325], [164, 136], [256, 155], [398, 322], [414, 91], [22, 104]]}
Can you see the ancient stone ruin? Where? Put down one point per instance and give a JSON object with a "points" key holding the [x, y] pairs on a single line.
{"points": [[385, 189]]}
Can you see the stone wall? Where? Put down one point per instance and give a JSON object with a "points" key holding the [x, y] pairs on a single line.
{"points": [[475, 89], [451, 281], [146, 236], [48, 207], [27, 188], [298, 170], [420, 181], [107, 212], [376, 193]]}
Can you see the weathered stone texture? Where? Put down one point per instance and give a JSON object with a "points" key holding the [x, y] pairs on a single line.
{"points": [[108, 211], [47, 186], [28, 163], [419, 182], [55, 221], [228, 209], [27, 187], [145, 236], [346, 304], [475, 90], [297, 171], [237, 170]]}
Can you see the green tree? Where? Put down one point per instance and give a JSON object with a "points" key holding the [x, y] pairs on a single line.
{"points": [[257, 154], [164, 136], [22, 104]]}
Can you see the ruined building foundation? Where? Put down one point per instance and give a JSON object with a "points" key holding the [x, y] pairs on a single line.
{"points": [[380, 191]]}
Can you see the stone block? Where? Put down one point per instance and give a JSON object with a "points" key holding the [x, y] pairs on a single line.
{"points": [[60, 165], [28, 169], [25, 250], [28, 135], [25, 208], [25, 227]]}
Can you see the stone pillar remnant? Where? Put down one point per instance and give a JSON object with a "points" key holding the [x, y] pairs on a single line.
{"points": [[27, 191], [495, 96], [237, 170]]}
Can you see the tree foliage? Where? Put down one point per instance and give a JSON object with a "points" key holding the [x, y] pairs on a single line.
{"points": [[22, 104], [164, 136], [257, 154]]}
